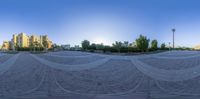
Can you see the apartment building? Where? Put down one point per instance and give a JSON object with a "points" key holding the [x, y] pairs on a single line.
{"points": [[23, 40], [5, 45]]}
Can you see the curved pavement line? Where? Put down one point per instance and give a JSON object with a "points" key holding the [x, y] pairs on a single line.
{"points": [[107, 55], [31, 90], [171, 92], [38, 86], [92, 54], [166, 75], [82, 56], [1, 55], [7, 64], [71, 67], [181, 57], [158, 55], [120, 93]]}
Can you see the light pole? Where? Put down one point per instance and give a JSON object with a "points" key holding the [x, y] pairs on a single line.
{"points": [[173, 30], [169, 46]]}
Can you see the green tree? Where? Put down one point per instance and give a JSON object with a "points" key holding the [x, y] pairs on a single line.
{"points": [[31, 46], [117, 45], [154, 44], [163, 46], [85, 44], [106, 48], [92, 46], [125, 44], [142, 43], [45, 44], [36, 45], [100, 46]]}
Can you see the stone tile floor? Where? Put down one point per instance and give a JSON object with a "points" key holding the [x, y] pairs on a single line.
{"points": [[112, 77]]}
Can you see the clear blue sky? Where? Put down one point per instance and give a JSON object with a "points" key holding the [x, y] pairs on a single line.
{"points": [[71, 21]]}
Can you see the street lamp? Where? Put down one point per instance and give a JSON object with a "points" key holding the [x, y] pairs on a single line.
{"points": [[169, 45], [173, 30]]}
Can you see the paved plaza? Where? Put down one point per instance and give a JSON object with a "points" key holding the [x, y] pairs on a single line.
{"points": [[81, 75]]}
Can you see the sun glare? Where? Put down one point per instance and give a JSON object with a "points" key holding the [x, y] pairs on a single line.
{"points": [[99, 41]]}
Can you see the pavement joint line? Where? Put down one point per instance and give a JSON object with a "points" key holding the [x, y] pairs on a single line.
{"points": [[8, 63], [72, 67], [166, 75]]}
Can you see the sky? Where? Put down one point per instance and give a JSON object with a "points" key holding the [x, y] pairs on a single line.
{"points": [[102, 21]]}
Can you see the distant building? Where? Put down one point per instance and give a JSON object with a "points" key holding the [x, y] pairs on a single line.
{"points": [[77, 47], [197, 47], [132, 44], [66, 47], [6, 45], [23, 40]]}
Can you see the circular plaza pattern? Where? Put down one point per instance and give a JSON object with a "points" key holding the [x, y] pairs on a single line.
{"points": [[81, 75]]}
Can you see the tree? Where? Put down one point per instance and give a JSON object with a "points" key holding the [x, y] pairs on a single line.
{"points": [[92, 46], [31, 46], [142, 43], [117, 45], [45, 44], [54, 46], [85, 44], [100, 46], [154, 44], [125, 44], [163, 46], [106, 48], [36, 45]]}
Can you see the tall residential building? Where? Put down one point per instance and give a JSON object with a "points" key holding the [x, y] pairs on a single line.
{"points": [[23, 40]]}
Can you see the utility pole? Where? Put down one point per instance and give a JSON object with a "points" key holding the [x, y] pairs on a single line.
{"points": [[173, 30], [169, 45]]}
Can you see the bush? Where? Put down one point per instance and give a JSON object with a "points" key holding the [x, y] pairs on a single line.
{"points": [[114, 49], [23, 49], [163, 46], [107, 49], [132, 49], [124, 50]]}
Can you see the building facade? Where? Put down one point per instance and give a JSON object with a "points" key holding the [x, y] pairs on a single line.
{"points": [[197, 47], [5, 45], [66, 47], [23, 40]]}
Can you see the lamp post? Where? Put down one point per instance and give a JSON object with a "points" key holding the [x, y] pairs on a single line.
{"points": [[169, 46], [173, 30]]}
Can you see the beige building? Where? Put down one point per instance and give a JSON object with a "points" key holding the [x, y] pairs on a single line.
{"points": [[42, 39], [23, 40], [6, 45], [197, 47]]}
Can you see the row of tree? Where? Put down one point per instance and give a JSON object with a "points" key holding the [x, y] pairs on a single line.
{"points": [[35, 46], [141, 44]]}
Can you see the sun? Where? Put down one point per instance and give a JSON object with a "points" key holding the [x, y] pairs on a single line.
{"points": [[99, 40]]}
